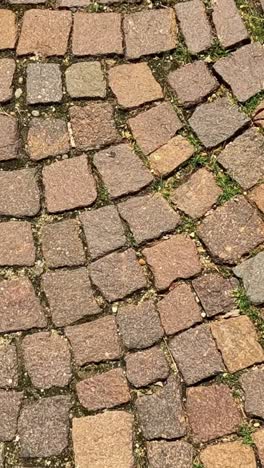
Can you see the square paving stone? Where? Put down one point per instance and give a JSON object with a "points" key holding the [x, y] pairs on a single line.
{"points": [[252, 273], [104, 440], [16, 244], [148, 217], [68, 185], [196, 196], [217, 121], [70, 296], [44, 83], [95, 34], [161, 414], [93, 125], [9, 137], [170, 156], [8, 365], [196, 354], [105, 390], [150, 32], [7, 70], [103, 230], [122, 171], [228, 455], [172, 259], [253, 386], [179, 309], [243, 158], [232, 230], [44, 32], [10, 403], [216, 293], [194, 25], [20, 307], [43, 427], [155, 127], [257, 196], [118, 274], [236, 338], [85, 79], [192, 82], [61, 244], [258, 438], [243, 71], [133, 84], [95, 341], [146, 367], [178, 454], [8, 29], [139, 325], [19, 193], [228, 23], [212, 412], [47, 137]]}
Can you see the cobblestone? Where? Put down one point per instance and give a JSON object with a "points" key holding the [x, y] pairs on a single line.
{"points": [[229, 454], [229, 25], [146, 367], [7, 70], [19, 193], [170, 156], [16, 244], [9, 139], [85, 79], [8, 29], [47, 137], [44, 83]]}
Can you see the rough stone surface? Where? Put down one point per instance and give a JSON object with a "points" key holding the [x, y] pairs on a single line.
{"points": [[68, 184], [70, 296], [236, 338], [9, 138], [194, 25], [196, 196], [229, 25], [243, 70], [47, 137], [177, 454], [252, 273], [7, 70], [216, 121], [258, 116], [161, 414], [192, 82], [43, 427], [166, 159], [20, 307], [133, 84], [148, 217], [122, 170], [16, 244], [10, 403], [257, 196], [44, 32], [155, 127], [228, 455], [253, 385], [172, 259], [212, 412], [146, 367], [150, 32], [8, 366], [196, 354], [104, 440], [139, 325], [105, 390], [19, 193], [72, 3], [258, 438], [8, 29], [232, 230], [85, 79], [44, 83], [95, 341]]}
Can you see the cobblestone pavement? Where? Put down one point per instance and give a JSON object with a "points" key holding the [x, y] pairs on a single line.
{"points": [[131, 234]]}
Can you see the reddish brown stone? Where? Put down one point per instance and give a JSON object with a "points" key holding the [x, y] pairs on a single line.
{"points": [[20, 307], [44, 32], [95, 34], [105, 390], [229, 25], [43, 427], [146, 367], [68, 184], [8, 365], [104, 440], [227, 232], [16, 244], [155, 127], [95, 341], [172, 259], [8, 29], [10, 403], [194, 25], [257, 196], [7, 70], [19, 193], [61, 244], [258, 115], [85, 79], [228, 455], [93, 125], [212, 412], [253, 385], [44, 83], [139, 325], [177, 454], [179, 310], [150, 32], [69, 295], [170, 156], [72, 3], [258, 438], [47, 359], [9, 139], [47, 137]]}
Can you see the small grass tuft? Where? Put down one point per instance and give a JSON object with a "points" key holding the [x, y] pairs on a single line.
{"points": [[215, 52], [246, 308], [253, 18], [245, 431], [251, 104], [232, 380], [187, 225], [198, 465], [199, 160], [230, 187]]}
